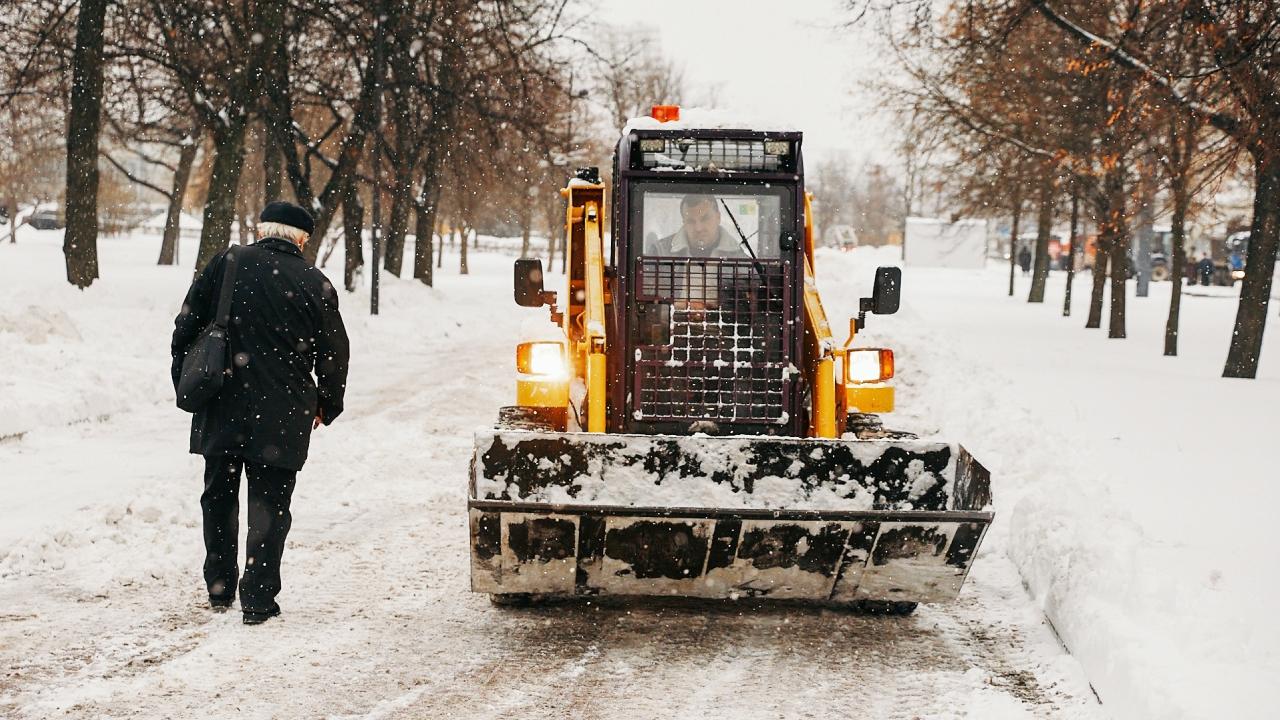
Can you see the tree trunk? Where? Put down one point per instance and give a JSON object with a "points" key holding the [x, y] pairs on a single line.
{"points": [[272, 167], [424, 240], [1255, 289], [80, 241], [177, 196], [1101, 260], [242, 215], [426, 223], [462, 248], [1177, 259], [323, 205], [353, 234], [526, 222], [224, 181], [440, 251], [1118, 241], [1074, 249], [397, 226], [1044, 225], [1013, 242]]}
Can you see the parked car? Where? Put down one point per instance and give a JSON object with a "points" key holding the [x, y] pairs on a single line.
{"points": [[46, 220]]}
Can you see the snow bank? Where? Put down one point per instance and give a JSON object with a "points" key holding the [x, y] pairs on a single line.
{"points": [[46, 325], [1133, 491]]}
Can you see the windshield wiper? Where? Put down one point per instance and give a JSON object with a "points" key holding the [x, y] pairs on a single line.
{"points": [[742, 238]]}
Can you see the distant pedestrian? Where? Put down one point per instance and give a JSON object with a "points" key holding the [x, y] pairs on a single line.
{"points": [[284, 324], [1024, 260], [1204, 269]]}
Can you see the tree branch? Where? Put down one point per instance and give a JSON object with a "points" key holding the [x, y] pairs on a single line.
{"points": [[1222, 121]]}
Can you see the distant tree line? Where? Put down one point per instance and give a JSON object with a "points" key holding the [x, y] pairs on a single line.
{"points": [[1040, 109]]}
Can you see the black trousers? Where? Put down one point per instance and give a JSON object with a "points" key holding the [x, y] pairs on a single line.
{"points": [[270, 490]]}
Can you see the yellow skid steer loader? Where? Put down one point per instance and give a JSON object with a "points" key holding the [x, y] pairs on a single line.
{"points": [[695, 429]]}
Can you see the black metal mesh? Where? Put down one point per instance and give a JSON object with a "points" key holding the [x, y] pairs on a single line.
{"points": [[711, 340], [711, 154]]}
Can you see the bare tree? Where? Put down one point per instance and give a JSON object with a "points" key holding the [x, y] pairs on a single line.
{"points": [[1239, 44], [634, 75], [80, 242]]}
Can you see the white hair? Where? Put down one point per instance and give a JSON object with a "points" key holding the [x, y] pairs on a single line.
{"points": [[297, 236]]}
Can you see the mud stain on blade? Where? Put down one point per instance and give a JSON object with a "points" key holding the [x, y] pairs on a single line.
{"points": [[655, 556], [786, 559], [538, 553], [910, 562]]}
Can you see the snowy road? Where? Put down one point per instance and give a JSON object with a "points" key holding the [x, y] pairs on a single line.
{"points": [[102, 615]]}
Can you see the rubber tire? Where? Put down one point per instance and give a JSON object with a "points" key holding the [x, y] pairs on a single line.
{"points": [[516, 417], [1159, 273], [518, 599], [867, 426], [885, 607]]}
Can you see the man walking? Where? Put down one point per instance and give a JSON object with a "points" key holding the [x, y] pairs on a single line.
{"points": [[284, 325]]}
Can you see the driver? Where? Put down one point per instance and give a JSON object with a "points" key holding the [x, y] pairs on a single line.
{"points": [[701, 234]]}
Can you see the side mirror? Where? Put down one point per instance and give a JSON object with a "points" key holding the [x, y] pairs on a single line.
{"points": [[528, 282], [888, 291]]}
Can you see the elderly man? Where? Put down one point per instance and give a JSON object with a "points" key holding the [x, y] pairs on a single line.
{"points": [[284, 325]]}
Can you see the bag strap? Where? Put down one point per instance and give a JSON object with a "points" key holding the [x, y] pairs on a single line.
{"points": [[223, 318]]}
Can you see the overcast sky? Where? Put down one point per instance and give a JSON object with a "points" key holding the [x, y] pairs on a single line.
{"points": [[775, 59]]}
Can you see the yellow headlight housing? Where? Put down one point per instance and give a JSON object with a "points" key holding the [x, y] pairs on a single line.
{"points": [[870, 365], [541, 358]]}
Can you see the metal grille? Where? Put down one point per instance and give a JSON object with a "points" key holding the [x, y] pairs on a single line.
{"points": [[711, 340], [709, 154]]}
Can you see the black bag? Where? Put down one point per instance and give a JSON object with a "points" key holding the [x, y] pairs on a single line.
{"points": [[207, 363]]}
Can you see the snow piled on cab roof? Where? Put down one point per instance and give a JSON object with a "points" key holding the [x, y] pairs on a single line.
{"points": [[693, 118]]}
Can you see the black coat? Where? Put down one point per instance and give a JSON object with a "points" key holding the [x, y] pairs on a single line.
{"points": [[284, 324]]}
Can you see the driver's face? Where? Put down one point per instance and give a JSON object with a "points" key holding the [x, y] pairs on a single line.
{"points": [[702, 226]]}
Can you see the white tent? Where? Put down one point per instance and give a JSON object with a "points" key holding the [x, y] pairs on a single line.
{"points": [[936, 243]]}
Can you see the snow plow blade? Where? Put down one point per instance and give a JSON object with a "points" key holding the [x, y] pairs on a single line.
{"points": [[844, 521]]}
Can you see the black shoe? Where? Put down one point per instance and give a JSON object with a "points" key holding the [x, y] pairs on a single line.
{"points": [[218, 604], [253, 617]]}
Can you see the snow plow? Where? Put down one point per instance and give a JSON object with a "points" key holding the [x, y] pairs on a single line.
{"points": [[692, 427]]}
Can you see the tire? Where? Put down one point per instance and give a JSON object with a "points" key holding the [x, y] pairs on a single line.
{"points": [[865, 426], [1159, 273], [516, 417], [884, 607], [517, 600]]}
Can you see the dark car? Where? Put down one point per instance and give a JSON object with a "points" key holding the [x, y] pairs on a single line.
{"points": [[46, 220]]}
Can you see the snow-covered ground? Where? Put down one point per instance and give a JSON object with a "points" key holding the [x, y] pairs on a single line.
{"points": [[1133, 491], [1129, 488]]}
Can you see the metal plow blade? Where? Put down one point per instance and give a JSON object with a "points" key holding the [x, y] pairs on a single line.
{"points": [[724, 517]]}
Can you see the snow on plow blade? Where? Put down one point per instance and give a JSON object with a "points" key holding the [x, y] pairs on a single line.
{"points": [[715, 517]]}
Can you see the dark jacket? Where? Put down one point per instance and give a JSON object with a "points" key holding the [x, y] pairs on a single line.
{"points": [[284, 324]]}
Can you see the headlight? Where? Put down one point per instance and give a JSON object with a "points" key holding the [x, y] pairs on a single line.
{"points": [[870, 365], [540, 358], [1237, 274]]}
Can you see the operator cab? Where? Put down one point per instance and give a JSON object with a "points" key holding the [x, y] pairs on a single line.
{"points": [[706, 250]]}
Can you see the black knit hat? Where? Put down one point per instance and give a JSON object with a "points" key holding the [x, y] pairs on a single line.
{"points": [[288, 214]]}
